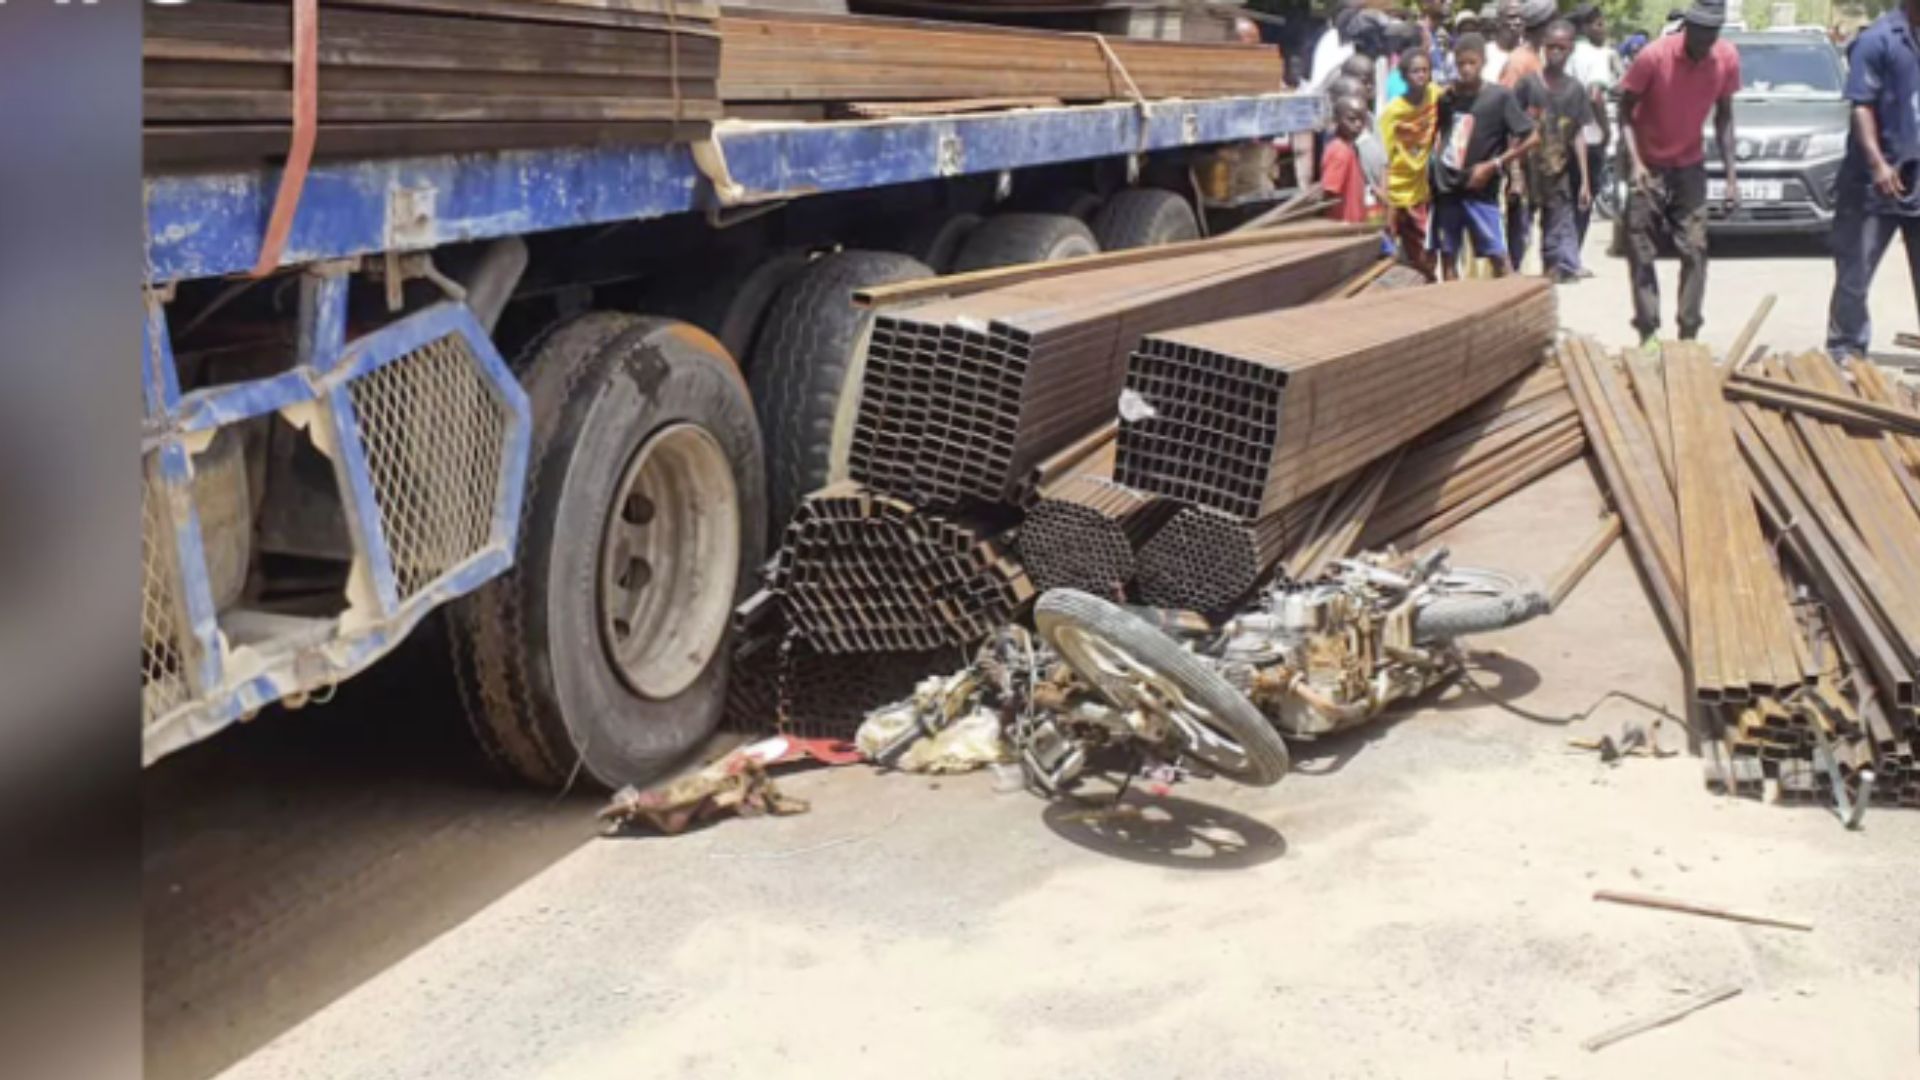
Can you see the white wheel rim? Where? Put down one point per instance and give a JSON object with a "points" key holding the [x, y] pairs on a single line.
{"points": [[669, 561], [1130, 684]]}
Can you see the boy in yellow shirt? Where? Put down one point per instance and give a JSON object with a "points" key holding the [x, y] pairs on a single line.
{"points": [[1407, 126]]}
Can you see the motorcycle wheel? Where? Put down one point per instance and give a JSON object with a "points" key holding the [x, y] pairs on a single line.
{"points": [[1135, 666], [1469, 601]]}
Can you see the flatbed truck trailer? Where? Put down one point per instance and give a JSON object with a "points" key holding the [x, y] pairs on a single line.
{"points": [[560, 398]]}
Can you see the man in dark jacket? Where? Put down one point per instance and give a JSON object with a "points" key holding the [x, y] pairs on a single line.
{"points": [[1878, 192]]}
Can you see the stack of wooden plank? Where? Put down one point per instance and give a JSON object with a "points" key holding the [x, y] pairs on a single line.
{"points": [[418, 76], [1776, 517], [794, 57]]}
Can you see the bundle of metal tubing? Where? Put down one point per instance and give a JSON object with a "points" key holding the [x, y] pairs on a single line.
{"points": [[1204, 560], [1082, 533], [802, 691], [1250, 414], [860, 572], [961, 398], [1733, 503], [1519, 434]]}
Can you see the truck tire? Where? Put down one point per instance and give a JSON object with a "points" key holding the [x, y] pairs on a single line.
{"points": [[1013, 239], [801, 367], [1144, 217], [1074, 202], [936, 240], [602, 651], [1134, 665], [733, 304]]}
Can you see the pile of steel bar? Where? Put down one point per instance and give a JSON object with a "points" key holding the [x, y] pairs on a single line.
{"points": [[1736, 503], [797, 57], [1083, 532], [1250, 414], [862, 572], [800, 691], [1521, 433], [1203, 560], [961, 398], [1741, 638], [418, 76]]}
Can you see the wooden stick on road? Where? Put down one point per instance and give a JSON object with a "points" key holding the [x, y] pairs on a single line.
{"points": [[1737, 356], [1662, 1018], [1590, 552], [1685, 907]]}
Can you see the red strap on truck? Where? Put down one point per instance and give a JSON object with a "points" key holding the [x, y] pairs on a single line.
{"points": [[306, 109]]}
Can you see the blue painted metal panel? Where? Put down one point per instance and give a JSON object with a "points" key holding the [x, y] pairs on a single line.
{"points": [[363, 513], [331, 367], [210, 225]]}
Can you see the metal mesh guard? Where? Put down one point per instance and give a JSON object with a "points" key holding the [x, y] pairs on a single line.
{"points": [[434, 436], [164, 685]]}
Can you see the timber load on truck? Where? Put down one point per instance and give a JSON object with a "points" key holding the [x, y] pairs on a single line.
{"points": [[536, 317]]}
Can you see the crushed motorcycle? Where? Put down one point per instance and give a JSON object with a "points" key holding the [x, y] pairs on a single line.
{"points": [[1106, 690]]}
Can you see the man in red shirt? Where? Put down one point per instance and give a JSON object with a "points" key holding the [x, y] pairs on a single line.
{"points": [[1664, 99]]}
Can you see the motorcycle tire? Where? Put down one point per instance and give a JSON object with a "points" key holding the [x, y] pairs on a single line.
{"points": [[1470, 601], [1115, 651]]}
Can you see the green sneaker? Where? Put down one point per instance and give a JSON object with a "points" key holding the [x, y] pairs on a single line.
{"points": [[1650, 347]]}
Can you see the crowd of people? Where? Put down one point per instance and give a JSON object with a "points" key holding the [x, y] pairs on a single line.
{"points": [[1492, 127]]}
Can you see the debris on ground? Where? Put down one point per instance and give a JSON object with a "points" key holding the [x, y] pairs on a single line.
{"points": [[735, 784], [1686, 907], [1676, 1011]]}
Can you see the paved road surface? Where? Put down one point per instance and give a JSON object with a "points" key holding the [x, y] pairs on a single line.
{"points": [[1741, 271]]}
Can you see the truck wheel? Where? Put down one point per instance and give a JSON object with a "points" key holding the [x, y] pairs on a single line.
{"points": [[805, 362], [1144, 217], [1072, 201], [1012, 239], [936, 240], [602, 651], [733, 305]]}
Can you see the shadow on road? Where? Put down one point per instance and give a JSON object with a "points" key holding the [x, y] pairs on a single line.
{"points": [[293, 857], [1175, 833]]}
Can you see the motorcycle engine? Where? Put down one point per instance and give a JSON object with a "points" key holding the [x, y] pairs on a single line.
{"points": [[1320, 638]]}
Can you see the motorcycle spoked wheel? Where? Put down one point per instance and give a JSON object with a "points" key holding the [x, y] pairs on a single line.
{"points": [[1135, 666]]}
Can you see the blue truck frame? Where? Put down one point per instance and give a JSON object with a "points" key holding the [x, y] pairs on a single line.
{"points": [[211, 225]]}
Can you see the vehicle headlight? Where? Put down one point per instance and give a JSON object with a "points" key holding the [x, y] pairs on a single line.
{"points": [[1825, 144]]}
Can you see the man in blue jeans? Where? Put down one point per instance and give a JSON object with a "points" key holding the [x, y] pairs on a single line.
{"points": [[1879, 185]]}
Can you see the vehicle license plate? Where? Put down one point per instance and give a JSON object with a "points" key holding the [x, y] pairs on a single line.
{"points": [[1754, 191]]}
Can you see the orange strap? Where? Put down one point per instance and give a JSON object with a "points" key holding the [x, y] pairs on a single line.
{"points": [[306, 108]]}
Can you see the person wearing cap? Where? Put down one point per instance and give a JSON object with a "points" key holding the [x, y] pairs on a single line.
{"points": [[1878, 191], [1664, 101]]}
